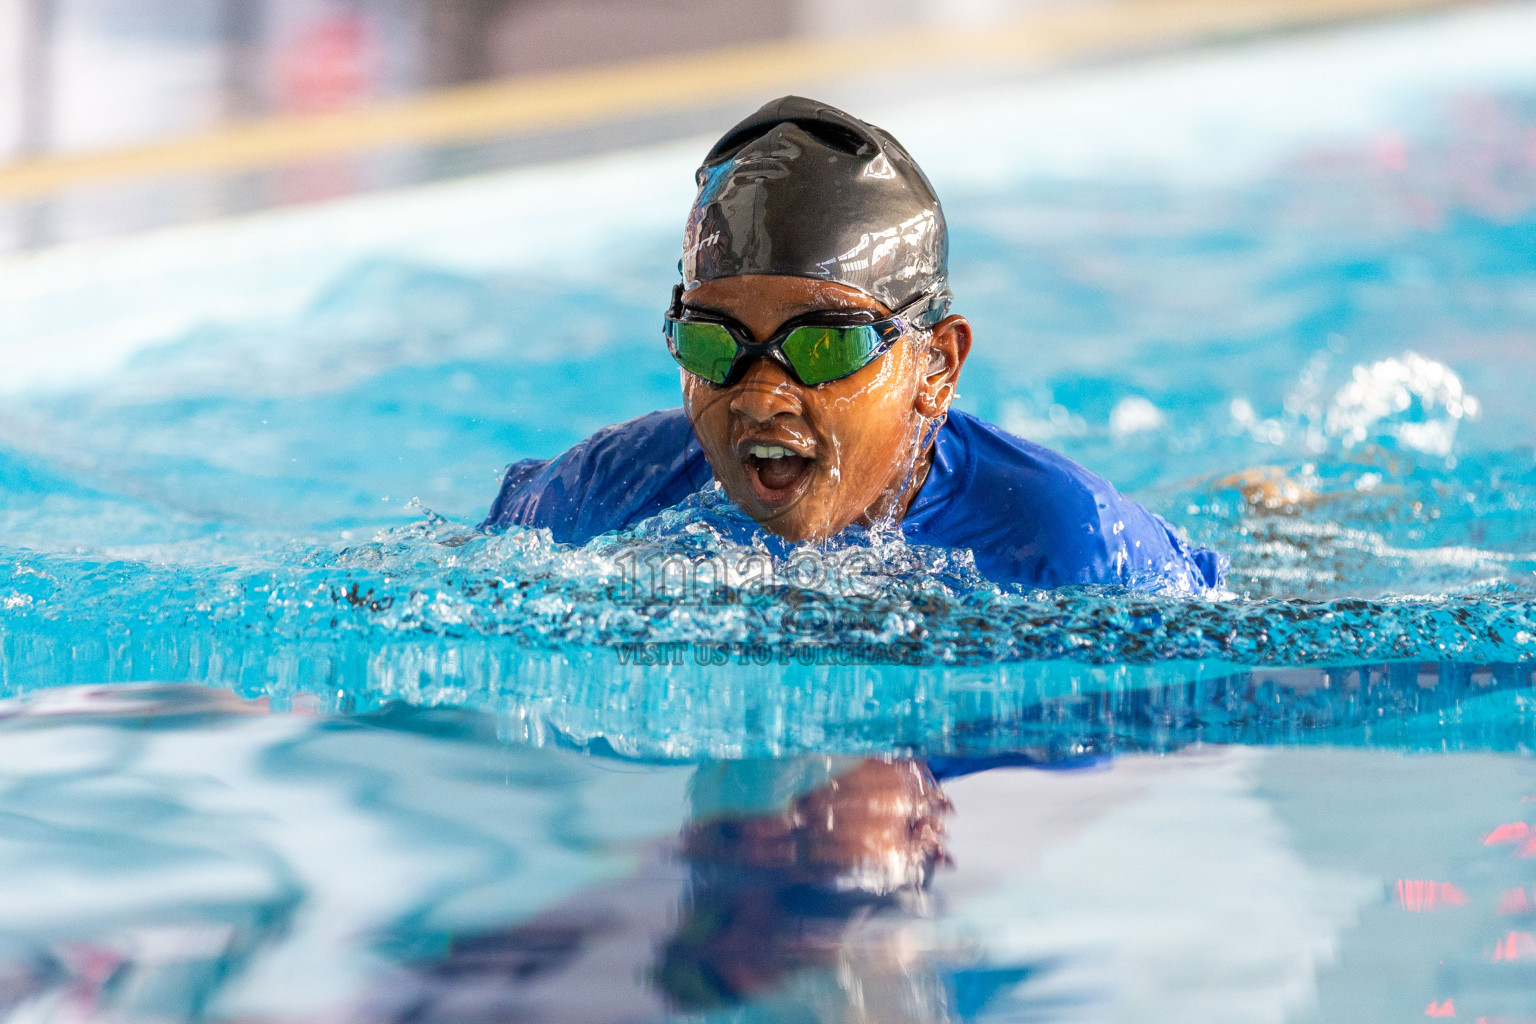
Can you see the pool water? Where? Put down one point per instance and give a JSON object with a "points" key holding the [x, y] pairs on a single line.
{"points": [[286, 739]]}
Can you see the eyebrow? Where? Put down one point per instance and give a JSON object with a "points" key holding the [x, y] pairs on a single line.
{"points": [[697, 308], [801, 311]]}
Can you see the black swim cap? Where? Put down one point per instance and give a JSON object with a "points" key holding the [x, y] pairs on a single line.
{"points": [[802, 189]]}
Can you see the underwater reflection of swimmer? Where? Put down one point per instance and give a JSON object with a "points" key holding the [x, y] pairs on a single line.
{"points": [[775, 891], [799, 893]]}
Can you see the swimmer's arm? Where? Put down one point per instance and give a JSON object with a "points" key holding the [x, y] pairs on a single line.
{"points": [[512, 497]]}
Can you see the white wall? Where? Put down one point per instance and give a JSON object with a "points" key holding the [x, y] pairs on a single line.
{"points": [[848, 17], [128, 71], [13, 30]]}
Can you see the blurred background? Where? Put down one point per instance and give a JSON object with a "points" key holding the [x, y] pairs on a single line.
{"points": [[117, 115]]}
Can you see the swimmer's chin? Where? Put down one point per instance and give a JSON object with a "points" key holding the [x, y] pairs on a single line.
{"points": [[797, 527], [782, 511], [797, 533]]}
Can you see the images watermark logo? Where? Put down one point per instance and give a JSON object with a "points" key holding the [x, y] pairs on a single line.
{"points": [[656, 654], [729, 578], [820, 608]]}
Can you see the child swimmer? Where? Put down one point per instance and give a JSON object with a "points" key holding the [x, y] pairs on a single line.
{"points": [[819, 360]]}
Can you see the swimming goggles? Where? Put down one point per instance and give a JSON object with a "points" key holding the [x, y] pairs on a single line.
{"points": [[818, 347]]}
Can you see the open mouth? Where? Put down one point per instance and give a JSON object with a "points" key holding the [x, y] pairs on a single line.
{"points": [[777, 473]]}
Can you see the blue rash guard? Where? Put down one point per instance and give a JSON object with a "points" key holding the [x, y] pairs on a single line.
{"points": [[1031, 517]]}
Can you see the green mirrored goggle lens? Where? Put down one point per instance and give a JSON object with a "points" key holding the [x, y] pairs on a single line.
{"points": [[704, 349], [820, 354]]}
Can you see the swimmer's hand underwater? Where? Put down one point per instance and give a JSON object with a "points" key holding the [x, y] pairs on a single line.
{"points": [[818, 363]]}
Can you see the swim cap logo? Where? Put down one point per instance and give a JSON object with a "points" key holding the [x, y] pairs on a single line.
{"points": [[879, 167]]}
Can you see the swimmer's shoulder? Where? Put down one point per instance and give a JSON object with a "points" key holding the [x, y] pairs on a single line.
{"points": [[1024, 505], [613, 479], [1042, 519], [637, 454]]}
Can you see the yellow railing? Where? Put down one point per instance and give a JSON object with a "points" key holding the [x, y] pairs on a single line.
{"points": [[590, 97]]}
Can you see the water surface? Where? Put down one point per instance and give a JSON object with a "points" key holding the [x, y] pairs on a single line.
{"points": [[285, 738]]}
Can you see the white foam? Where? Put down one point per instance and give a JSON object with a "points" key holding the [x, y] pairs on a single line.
{"points": [[1416, 400]]}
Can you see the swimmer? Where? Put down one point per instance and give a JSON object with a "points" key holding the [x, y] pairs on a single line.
{"points": [[797, 892], [819, 360]]}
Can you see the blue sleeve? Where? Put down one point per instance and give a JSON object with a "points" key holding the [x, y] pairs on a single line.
{"points": [[1094, 535], [613, 479], [1033, 517], [513, 494], [1146, 552]]}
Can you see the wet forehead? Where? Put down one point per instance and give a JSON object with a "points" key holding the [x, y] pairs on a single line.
{"points": [[761, 303]]}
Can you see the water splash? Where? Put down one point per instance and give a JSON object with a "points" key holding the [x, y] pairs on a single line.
{"points": [[1383, 556], [1409, 401], [1289, 370]]}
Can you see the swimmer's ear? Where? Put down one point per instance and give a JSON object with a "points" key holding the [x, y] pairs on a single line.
{"points": [[946, 356]]}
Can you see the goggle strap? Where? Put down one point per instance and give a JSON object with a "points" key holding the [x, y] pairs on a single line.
{"points": [[927, 310]]}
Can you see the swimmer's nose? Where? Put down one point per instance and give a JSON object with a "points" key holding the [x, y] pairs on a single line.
{"points": [[766, 392]]}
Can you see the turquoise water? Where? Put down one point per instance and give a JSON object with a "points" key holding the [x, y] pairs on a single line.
{"points": [[286, 739]]}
